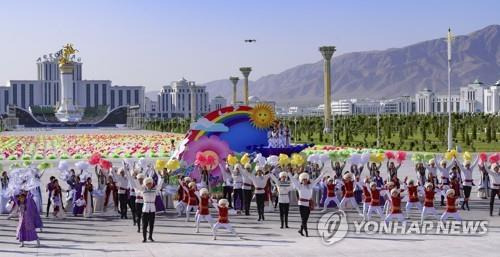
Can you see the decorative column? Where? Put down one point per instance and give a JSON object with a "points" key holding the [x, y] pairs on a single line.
{"points": [[67, 111], [327, 52], [245, 71], [192, 88], [234, 80]]}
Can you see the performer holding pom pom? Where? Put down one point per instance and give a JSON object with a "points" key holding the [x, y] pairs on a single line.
{"points": [[223, 221], [26, 229], [57, 199], [203, 211], [466, 170], [494, 172], [451, 206], [259, 181]]}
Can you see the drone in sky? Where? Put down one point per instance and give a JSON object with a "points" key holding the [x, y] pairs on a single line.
{"points": [[250, 40]]}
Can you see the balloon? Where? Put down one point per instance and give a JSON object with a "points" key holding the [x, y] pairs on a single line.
{"points": [[231, 160], [82, 165], [355, 158], [160, 164], [283, 159], [245, 159], [273, 160], [297, 159], [63, 165], [105, 164], [365, 158], [467, 156], [260, 160], [173, 165]]}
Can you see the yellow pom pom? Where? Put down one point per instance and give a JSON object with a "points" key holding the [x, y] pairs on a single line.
{"points": [[245, 159]]}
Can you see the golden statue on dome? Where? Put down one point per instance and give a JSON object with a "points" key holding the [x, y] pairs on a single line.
{"points": [[65, 54]]}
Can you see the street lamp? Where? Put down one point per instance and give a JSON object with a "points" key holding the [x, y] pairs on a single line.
{"points": [[378, 126], [450, 136]]}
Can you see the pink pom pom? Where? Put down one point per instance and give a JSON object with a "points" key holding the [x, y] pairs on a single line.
{"points": [[95, 159], [105, 164], [389, 155], [483, 157], [494, 158], [401, 156]]}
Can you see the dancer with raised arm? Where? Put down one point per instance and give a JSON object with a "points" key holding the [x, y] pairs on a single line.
{"points": [[259, 181], [149, 192], [223, 220], [283, 186], [466, 171], [203, 213], [305, 189], [451, 206]]}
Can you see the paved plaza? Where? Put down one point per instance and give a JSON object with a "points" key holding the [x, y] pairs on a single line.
{"points": [[110, 236]]}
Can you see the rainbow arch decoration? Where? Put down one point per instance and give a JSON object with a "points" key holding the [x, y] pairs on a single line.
{"points": [[244, 128]]}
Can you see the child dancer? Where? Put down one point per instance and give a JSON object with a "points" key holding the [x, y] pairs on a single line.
{"points": [[284, 188], [395, 200], [428, 209], [451, 206], [203, 211], [330, 194], [192, 199], [26, 229], [223, 221], [375, 202], [413, 201], [367, 198], [348, 188], [183, 196]]}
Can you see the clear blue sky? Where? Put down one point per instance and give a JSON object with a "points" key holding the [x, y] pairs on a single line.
{"points": [[151, 43]]}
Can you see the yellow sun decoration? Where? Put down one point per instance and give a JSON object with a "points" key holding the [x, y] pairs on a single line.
{"points": [[262, 115]]}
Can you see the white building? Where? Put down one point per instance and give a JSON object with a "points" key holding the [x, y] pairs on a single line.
{"points": [[253, 100], [150, 108], [400, 105], [175, 100], [217, 103], [472, 97], [492, 98], [342, 107], [46, 89], [426, 101]]}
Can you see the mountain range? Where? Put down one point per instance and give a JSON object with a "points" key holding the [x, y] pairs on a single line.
{"points": [[382, 74]]}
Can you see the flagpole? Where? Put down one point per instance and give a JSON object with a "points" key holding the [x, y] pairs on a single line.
{"points": [[450, 136]]}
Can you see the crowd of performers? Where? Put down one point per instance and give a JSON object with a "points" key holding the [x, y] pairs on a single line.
{"points": [[143, 190], [279, 136]]}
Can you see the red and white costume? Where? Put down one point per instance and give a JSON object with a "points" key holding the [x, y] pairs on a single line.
{"points": [[192, 199], [348, 188], [451, 208], [429, 209], [375, 202], [183, 197], [413, 200], [395, 209], [367, 198], [330, 194], [223, 220], [203, 211]]}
